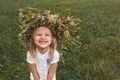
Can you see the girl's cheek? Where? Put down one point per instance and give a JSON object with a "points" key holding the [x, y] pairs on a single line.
{"points": [[36, 37]]}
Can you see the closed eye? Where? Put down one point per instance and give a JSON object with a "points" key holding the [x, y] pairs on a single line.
{"points": [[39, 34], [47, 35]]}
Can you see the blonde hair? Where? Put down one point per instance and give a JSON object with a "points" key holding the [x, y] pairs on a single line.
{"points": [[32, 46]]}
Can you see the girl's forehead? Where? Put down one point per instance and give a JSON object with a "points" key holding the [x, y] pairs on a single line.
{"points": [[42, 29]]}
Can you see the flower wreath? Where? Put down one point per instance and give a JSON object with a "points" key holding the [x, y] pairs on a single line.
{"points": [[31, 18]]}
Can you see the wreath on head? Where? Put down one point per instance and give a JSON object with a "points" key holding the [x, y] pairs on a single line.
{"points": [[31, 18]]}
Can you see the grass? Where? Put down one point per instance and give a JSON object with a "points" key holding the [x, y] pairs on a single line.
{"points": [[98, 58]]}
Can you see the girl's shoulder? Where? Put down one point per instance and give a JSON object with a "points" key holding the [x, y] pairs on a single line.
{"points": [[56, 51], [56, 54], [56, 57], [28, 53]]}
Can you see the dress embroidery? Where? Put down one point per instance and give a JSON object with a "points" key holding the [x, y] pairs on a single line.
{"points": [[48, 61]]}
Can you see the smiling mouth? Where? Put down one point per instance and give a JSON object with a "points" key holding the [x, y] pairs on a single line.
{"points": [[42, 42]]}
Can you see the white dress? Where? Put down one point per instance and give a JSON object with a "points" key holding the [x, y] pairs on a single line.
{"points": [[42, 63]]}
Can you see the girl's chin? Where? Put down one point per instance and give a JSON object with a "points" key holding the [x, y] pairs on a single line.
{"points": [[42, 47]]}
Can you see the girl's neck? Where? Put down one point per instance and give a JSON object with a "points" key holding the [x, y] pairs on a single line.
{"points": [[42, 51]]}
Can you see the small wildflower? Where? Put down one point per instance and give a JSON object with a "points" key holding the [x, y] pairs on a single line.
{"points": [[77, 47], [75, 31], [72, 23], [29, 12], [20, 9], [47, 12], [66, 34], [78, 37], [32, 16], [67, 46], [23, 49], [49, 15], [67, 9]]}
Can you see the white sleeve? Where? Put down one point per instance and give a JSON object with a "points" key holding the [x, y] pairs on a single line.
{"points": [[56, 57], [29, 58]]}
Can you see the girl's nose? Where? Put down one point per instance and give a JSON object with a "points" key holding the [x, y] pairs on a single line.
{"points": [[42, 36]]}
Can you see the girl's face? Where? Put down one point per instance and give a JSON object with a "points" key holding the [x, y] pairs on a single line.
{"points": [[42, 37]]}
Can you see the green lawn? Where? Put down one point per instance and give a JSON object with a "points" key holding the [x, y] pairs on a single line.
{"points": [[98, 58]]}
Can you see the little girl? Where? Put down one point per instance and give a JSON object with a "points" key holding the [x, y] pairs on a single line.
{"points": [[40, 29], [42, 56]]}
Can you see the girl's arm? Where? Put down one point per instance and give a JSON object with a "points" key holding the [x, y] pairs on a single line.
{"points": [[52, 70], [34, 71]]}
